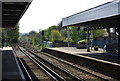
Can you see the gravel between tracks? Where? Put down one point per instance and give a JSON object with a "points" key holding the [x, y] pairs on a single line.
{"points": [[40, 74], [84, 75]]}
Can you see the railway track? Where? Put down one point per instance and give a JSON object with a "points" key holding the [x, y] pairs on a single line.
{"points": [[32, 71], [26, 73], [72, 70], [56, 73], [68, 71]]}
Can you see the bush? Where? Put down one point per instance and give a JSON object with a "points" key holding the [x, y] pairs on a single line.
{"points": [[82, 41], [81, 44], [96, 48]]}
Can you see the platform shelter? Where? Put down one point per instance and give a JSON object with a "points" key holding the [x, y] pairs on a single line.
{"points": [[105, 16], [11, 11]]}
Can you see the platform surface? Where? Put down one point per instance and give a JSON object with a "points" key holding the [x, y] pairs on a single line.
{"points": [[100, 55], [10, 70]]}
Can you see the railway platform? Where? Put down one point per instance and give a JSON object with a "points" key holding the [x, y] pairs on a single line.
{"points": [[98, 61], [10, 68], [98, 55]]}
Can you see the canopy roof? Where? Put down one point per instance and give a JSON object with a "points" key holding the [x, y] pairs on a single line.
{"points": [[101, 16], [12, 12]]}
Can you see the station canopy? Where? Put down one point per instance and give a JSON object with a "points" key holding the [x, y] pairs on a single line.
{"points": [[102, 16], [13, 11]]}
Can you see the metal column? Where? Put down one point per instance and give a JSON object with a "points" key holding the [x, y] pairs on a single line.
{"points": [[114, 34], [109, 34], [91, 41], [0, 41], [118, 30], [42, 39], [88, 39], [68, 37]]}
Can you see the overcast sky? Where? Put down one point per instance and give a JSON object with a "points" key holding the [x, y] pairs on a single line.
{"points": [[42, 14]]}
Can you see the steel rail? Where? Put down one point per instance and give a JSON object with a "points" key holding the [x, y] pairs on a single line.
{"points": [[23, 68], [25, 71], [96, 75], [49, 71], [76, 78]]}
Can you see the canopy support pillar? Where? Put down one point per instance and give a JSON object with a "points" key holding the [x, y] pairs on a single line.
{"points": [[118, 30], [88, 39], [109, 34], [68, 36]]}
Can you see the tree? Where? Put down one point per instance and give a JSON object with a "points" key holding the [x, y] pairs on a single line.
{"points": [[12, 35], [59, 26], [0, 37], [66, 40], [55, 35], [76, 34], [98, 33], [82, 34], [48, 32], [64, 33], [32, 33], [34, 37]]}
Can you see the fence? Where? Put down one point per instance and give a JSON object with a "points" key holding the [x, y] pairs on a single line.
{"points": [[47, 43], [101, 43]]}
